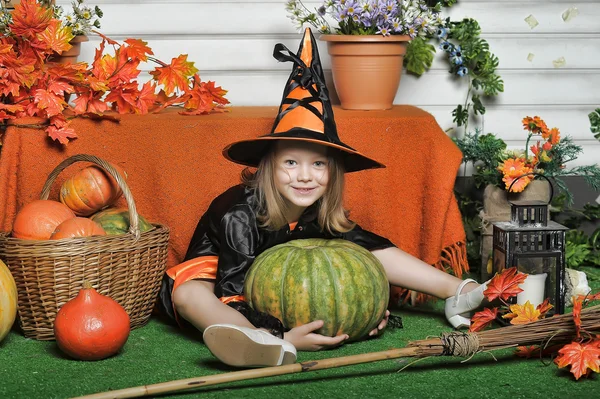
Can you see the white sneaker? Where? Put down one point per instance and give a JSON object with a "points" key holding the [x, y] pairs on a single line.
{"points": [[246, 347], [459, 306]]}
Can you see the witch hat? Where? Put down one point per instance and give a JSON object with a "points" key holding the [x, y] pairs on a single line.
{"points": [[305, 113]]}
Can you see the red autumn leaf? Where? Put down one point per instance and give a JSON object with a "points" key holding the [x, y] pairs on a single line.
{"points": [[166, 101], [20, 69], [481, 320], [522, 314], [544, 307], [125, 96], [107, 39], [505, 284], [60, 87], [30, 19], [146, 98], [138, 49], [175, 75], [217, 92], [577, 305], [49, 102], [11, 107], [61, 135], [56, 37], [583, 358], [89, 103], [527, 351]]}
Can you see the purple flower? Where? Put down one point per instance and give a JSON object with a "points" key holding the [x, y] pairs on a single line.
{"points": [[383, 30]]}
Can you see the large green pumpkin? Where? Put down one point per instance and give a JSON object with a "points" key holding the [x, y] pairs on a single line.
{"points": [[115, 221], [335, 281]]}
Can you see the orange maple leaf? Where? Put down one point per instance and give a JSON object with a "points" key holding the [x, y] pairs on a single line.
{"points": [[482, 319], [30, 18], [146, 98], [138, 49], [505, 284], [527, 351], [175, 75], [59, 87], [544, 307], [50, 102], [62, 135], [583, 358], [89, 103], [56, 37], [522, 314]]}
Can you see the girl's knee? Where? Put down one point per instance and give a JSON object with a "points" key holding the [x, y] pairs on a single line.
{"points": [[188, 293]]}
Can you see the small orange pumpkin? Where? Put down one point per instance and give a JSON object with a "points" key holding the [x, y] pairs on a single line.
{"points": [[38, 219], [91, 326], [77, 227], [90, 189], [8, 300]]}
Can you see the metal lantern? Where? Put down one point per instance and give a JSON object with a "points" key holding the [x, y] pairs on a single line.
{"points": [[536, 246]]}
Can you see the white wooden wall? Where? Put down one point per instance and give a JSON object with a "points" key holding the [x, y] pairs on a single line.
{"points": [[231, 42]]}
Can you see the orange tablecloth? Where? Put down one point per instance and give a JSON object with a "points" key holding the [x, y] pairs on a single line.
{"points": [[175, 169]]}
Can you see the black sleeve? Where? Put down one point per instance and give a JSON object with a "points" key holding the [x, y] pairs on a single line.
{"points": [[367, 239], [238, 236]]}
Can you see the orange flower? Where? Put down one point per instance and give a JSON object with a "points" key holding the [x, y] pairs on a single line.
{"points": [[554, 137], [513, 168], [535, 125], [547, 146]]}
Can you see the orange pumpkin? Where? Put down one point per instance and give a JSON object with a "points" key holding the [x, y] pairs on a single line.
{"points": [[77, 227], [90, 190], [38, 219], [8, 300], [91, 326]]}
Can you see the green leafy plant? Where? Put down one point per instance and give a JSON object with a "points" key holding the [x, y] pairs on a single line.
{"points": [[581, 249], [595, 122]]}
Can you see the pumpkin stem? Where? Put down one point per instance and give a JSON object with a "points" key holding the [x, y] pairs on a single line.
{"points": [[87, 285]]}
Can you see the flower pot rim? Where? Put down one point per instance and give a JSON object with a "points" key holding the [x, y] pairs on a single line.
{"points": [[79, 39], [364, 38]]}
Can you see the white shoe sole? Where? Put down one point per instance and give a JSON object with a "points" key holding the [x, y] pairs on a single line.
{"points": [[233, 347]]}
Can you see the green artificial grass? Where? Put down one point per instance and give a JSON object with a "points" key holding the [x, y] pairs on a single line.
{"points": [[158, 353]]}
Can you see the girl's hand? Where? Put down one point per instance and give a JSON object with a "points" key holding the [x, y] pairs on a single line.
{"points": [[381, 325], [304, 339]]}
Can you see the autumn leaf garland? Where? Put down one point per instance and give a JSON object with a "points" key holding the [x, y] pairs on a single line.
{"points": [[31, 84], [582, 355]]}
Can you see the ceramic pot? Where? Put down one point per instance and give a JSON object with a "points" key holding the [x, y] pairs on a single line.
{"points": [[366, 69]]}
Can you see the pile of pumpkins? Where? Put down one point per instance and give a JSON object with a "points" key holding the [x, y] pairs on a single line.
{"points": [[83, 211], [90, 326]]}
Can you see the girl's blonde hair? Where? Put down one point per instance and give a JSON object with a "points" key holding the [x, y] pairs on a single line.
{"points": [[332, 217]]}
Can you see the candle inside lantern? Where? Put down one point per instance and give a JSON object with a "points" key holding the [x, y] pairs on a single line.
{"points": [[533, 290]]}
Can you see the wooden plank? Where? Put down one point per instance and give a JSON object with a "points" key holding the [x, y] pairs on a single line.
{"points": [[269, 17], [255, 53]]}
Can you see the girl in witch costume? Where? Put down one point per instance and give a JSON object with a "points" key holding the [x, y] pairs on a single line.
{"points": [[295, 192]]}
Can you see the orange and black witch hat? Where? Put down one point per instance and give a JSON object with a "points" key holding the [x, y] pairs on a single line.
{"points": [[305, 113]]}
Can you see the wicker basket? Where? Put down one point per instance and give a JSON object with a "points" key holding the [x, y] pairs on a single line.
{"points": [[48, 273]]}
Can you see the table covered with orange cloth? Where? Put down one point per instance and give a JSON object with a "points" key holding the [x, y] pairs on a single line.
{"points": [[175, 168]]}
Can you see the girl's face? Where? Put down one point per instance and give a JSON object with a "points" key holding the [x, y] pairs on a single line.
{"points": [[301, 173]]}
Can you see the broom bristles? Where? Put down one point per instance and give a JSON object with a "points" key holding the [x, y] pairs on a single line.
{"points": [[553, 330]]}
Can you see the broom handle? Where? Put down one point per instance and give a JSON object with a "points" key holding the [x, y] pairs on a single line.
{"points": [[188, 383]]}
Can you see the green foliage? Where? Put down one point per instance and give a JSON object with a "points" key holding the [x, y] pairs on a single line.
{"points": [[469, 209], [419, 56], [595, 122], [478, 64], [485, 152], [581, 249]]}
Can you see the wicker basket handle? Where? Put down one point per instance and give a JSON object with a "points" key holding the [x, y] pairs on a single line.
{"points": [[134, 228]]}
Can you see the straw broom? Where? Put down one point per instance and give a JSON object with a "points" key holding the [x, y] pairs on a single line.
{"points": [[556, 330]]}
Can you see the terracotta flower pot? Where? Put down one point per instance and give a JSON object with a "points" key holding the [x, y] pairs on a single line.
{"points": [[366, 68], [70, 56]]}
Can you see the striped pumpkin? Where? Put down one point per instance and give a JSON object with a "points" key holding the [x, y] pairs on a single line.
{"points": [[8, 300], [335, 281], [115, 221]]}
